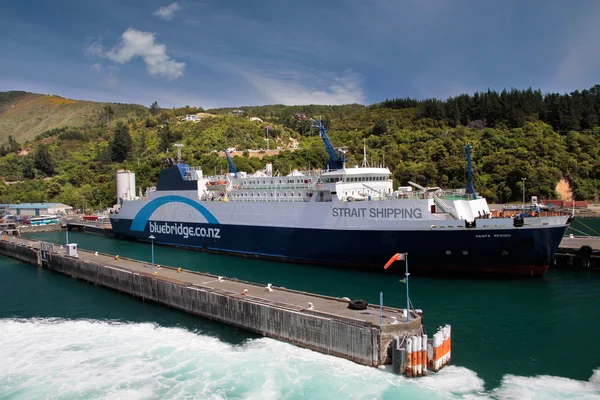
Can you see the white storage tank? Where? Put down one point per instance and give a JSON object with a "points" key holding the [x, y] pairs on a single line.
{"points": [[125, 185]]}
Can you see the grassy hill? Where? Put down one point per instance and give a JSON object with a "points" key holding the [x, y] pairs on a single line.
{"points": [[25, 115]]}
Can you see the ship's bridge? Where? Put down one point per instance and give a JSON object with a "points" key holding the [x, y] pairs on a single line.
{"points": [[355, 184]]}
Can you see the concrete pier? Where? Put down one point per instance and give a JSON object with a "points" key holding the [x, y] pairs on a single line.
{"points": [[321, 323], [578, 252]]}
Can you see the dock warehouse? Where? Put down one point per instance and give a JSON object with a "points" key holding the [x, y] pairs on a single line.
{"points": [[35, 209]]}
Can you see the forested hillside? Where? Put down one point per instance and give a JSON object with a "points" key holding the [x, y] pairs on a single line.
{"points": [[515, 135]]}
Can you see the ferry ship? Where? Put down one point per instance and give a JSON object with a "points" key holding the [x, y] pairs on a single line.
{"points": [[345, 216]]}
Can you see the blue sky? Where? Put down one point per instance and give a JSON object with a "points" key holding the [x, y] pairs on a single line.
{"points": [[231, 53]]}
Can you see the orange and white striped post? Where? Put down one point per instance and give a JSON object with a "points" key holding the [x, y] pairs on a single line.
{"points": [[409, 355], [424, 357]]}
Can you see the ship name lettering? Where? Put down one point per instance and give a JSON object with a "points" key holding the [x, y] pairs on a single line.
{"points": [[185, 231], [349, 212], [502, 235], [397, 213], [482, 236]]}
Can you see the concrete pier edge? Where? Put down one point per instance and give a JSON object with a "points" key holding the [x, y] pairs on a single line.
{"points": [[355, 339]]}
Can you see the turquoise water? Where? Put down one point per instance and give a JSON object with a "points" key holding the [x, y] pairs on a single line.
{"points": [[511, 338]]}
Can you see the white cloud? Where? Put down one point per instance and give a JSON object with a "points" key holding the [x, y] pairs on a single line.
{"points": [[293, 87], [136, 43], [94, 49], [167, 12], [95, 67]]}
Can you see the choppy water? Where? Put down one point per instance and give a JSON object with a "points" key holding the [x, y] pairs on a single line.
{"points": [[61, 338]]}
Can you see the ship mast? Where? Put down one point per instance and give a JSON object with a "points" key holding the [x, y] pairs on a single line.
{"points": [[470, 187], [365, 163]]}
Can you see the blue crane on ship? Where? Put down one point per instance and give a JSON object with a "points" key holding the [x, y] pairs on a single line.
{"points": [[230, 162], [337, 159]]}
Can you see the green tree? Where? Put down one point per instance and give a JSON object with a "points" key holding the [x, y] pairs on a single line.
{"points": [[28, 168], [167, 136], [121, 144], [109, 113], [155, 109], [42, 160], [13, 146]]}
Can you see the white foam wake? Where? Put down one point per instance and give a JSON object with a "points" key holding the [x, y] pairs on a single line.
{"points": [[41, 358]]}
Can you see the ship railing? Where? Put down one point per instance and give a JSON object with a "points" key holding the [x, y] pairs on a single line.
{"points": [[269, 199], [275, 186]]}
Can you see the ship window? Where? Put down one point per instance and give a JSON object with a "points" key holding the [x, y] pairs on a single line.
{"points": [[252, 194], [299, 194], [280, 181], [271, 194], [285, 194], [265, 194]]}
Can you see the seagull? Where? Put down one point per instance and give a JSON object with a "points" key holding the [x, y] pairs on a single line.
{"points": [[310, 306], [394, 321], [96, 253], [245, 292], [220, 279], [268, 288]]}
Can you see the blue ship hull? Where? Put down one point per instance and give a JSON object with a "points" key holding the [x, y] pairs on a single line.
{"points": [[519, 251]]}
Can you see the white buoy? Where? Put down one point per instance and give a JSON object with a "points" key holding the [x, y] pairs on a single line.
{"points": [[310, 306], [345, 299], [268, 288]]}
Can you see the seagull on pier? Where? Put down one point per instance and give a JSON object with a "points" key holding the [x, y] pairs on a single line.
{"points": [[310, 306], [96, 253], [268, 288], [245, 292], [394, 321], [220, 279]]}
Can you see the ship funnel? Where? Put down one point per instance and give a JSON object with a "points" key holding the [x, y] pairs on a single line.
{"points": [[269, 169]]}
